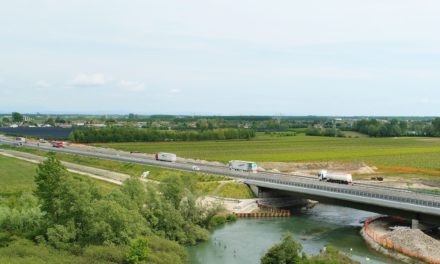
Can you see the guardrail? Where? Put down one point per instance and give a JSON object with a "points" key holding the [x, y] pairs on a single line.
{"points": [[351, 192]]}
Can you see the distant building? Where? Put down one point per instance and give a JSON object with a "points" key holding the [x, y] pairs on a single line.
{"points": [[64, 125], [97, 125], [27, 118]]}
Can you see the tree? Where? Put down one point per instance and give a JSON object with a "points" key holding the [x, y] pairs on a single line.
{"points": [[48, 181], [6, 120], [436, 126], [50, 121], [288, 251], [173, 189], [17, 117], [138, 251]]}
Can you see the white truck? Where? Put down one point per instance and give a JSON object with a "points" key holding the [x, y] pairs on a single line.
{"points": [[343, 178], [239, 165], [162, 156]]}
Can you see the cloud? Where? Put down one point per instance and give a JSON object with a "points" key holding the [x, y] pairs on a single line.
{"points": [[132, 85], [175, 91], [94, 79], [42, 84]]}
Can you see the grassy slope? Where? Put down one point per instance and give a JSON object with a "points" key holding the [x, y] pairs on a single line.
{"points": [[17, 176], [419, 153], [123, 167], [235, 190], [206, 183]]}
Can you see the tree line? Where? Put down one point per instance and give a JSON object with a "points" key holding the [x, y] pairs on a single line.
{"points": [[117, 134], [131, 224], [324, 132], [396, 128]]}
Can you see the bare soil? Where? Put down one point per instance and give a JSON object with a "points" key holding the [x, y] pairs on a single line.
{"points": [[314, 167]]}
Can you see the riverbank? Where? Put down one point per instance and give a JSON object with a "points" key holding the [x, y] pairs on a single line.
{"points": [[390, 236], [247, 206]]}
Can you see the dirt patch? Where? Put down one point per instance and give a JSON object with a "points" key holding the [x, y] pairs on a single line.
{"points": [[406, 170], [312, 168]]}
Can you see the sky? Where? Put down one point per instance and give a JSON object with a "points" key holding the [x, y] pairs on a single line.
{"points": [[228, 57]]}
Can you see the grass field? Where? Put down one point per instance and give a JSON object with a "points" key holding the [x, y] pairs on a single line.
{"points": [[17, 176], [205, 183], [396, 154]]}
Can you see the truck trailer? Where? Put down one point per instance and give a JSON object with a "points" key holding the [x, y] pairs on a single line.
{"points": [[239, 165], [162, 156], [58, 144], [335, 177]]}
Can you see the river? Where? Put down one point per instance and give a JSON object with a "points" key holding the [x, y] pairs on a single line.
{"points": [[246, 240]]}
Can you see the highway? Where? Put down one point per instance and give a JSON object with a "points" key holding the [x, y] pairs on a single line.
{"points": [[402, 199]]}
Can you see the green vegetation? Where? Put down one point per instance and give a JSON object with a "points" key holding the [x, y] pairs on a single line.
{"points": [[16, 177], [235, 190], [324, 132], [289, 251], [117, 134], [205, 184], [132, 169], [416, 153], [396, 128], [69, 220]]}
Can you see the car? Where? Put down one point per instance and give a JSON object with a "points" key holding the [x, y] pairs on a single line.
{"points": [[195, 168]]}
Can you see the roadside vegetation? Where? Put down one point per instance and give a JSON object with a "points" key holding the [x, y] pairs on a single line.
{"points": [[16, 177], [289, 251], [205, 184], [64, 219], [235, 190]]}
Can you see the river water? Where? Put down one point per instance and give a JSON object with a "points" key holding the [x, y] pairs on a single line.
{"points": [[246, 240]]}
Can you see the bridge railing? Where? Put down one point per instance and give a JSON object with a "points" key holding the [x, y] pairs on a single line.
{"points": [[389, 197]]}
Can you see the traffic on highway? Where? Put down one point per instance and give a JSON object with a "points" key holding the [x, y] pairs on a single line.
{"points": [[276, 179]]}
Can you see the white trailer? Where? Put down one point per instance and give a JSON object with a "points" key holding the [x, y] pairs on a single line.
{"points": [[240, 165], [162, 156], [335, 177]]}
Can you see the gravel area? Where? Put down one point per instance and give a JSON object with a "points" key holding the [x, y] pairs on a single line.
{"points": [[417, 241]]}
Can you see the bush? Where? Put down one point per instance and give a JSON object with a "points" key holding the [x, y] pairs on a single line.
{"points": [[110, 254], [231, 218], [138, 251], [217, 220]]}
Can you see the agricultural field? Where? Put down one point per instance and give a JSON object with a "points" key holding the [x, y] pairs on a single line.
{"points": [[410, 154]]}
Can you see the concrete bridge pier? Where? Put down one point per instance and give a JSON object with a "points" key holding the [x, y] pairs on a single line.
{"points": [[414, 224]]}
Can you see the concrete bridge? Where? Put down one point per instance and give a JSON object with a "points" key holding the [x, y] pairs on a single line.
{"points": [[390, 201]]}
